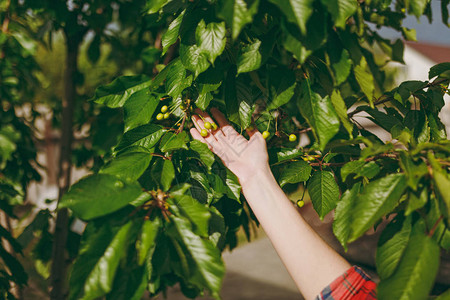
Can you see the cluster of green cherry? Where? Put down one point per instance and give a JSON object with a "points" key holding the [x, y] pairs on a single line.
{"points": [[164, 114]]}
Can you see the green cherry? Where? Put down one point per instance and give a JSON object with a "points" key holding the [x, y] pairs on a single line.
{"points": [[265, 134], [166, 115], [204, 132], [292, 138], [207, 125], [159, 117], [214, 126], [300, 203], [164, 109]]}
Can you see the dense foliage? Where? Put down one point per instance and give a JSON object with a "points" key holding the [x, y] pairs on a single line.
{"points": [[161, 207]]}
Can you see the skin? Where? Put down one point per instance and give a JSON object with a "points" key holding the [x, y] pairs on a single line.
{"points": [[311, 263]]}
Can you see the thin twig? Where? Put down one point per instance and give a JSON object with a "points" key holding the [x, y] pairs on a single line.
{"points": [[430, 234]]}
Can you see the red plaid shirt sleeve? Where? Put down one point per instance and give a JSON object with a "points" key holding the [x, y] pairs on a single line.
{"points": [[353, 284]]}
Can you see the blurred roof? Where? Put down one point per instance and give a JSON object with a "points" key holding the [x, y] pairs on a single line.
{"points": [[435, 52]]}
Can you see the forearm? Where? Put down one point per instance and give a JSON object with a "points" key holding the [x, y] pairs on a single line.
{"points": [[310, 261]]}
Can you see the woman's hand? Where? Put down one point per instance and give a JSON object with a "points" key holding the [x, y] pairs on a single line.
{"points": [[243, 157]]}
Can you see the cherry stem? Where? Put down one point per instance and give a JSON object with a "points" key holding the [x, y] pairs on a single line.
{"points": [[430, 234]]}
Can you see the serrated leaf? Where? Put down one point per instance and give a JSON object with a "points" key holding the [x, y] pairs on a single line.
{"points": [[442, 184], [416, 272], [417, 7], [145, 136], [250, 58], [319, 113], [209, 269], [376, 200], [324, 192], [171, 141], [196, 212], [98, 195], [282, 87], [302, 10], [171, 35], [167, 175], [340, 10], [295, 172], [100, 279], [211, 39], [129, 166], [194, 59], [391, 245], [139, 109], [341, 110], [154, 6], [205, 155], [146, 241], [343, 216], [365, 79], [176, 80], [296, 47], [117, 92], [237, 13], [439, 69]]}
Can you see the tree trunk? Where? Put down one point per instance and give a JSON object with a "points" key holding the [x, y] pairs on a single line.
{"points": [[59, 255]]}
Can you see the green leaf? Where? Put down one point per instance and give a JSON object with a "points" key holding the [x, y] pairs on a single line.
{"points": [[365, 79], [446, 294], [319, 113], [163, 173], [437, 70], [100, 279], [277, 155], [194, 58], [391, 245], [145, 136], [203, 152], [98, 195], [197, 213], [417, 7], [324, 192], [341, 110], [211, 39], [376, 200], [296, 47], [171, 35], [154, 6], [416, 201], [17, 271], [117, 92], [416, 272], [209, 269], [139, 109], [208, 82], [343, 216], [176, 80], [172, 141], [167, 175], [147, 239], [302, 10], [295, 172], [129, 166], [237, 13], [250, 57], [340, 10], [442, 184], [282, 87]]}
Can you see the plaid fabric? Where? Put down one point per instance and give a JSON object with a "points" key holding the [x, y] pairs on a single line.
{"points": [[353, 284]]}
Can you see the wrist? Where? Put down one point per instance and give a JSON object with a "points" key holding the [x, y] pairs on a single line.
{"points": [[256, 176]]}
